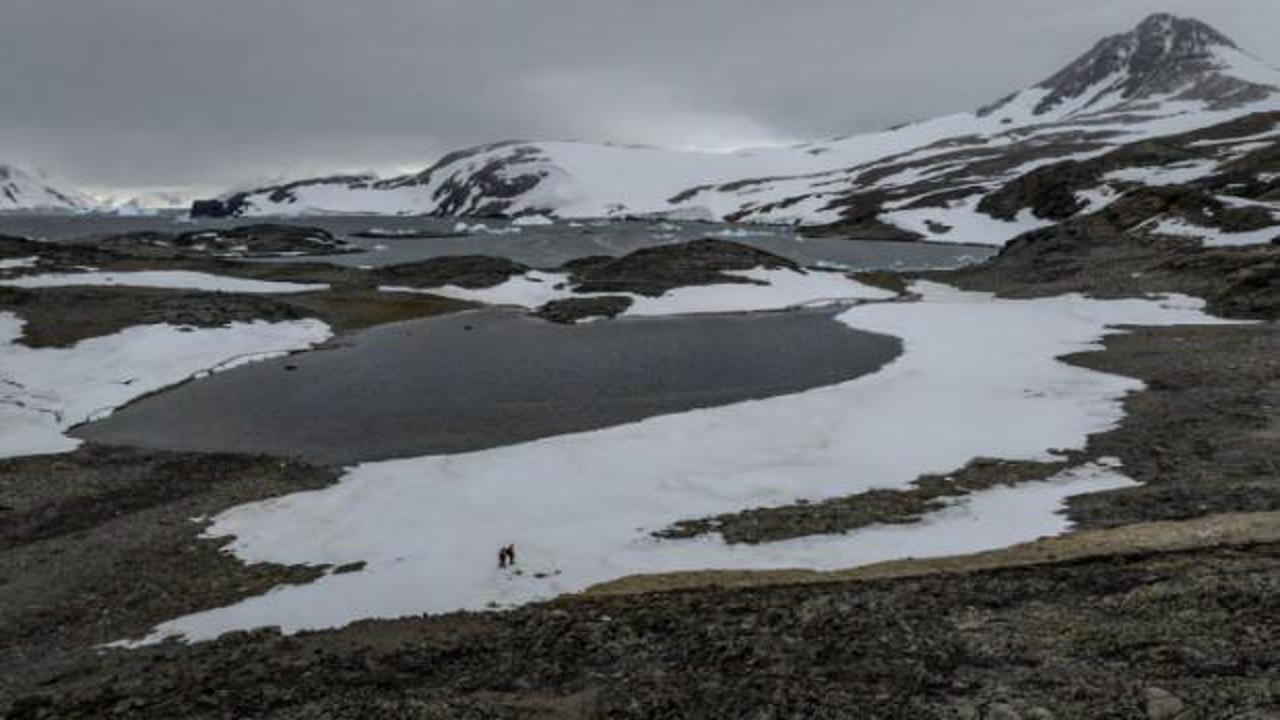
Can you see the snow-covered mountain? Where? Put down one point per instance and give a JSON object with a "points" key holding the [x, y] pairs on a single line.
{"points": [[147, 203], [21, 191], [1167, 77]]}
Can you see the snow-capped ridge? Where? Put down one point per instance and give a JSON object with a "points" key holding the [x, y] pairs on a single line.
{"points": [[20, 191], [1165, 77]]}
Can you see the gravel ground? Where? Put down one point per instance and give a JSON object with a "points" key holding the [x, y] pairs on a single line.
{"points": [[1192, 634], [98, 544]]}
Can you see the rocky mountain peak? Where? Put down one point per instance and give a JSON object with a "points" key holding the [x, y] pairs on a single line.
{"points": [[1164, 54], [1180, 35]]}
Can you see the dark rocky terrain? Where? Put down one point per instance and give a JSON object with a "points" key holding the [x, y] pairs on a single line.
{"points": [[649, 271], [1160, 636], [1165, 604], [1050, 192], [572, 310], [56, 317], [468, 271], [657, 270], [160, 251], [1106, 254], [100, 541], [246, 241], [101, 547]]}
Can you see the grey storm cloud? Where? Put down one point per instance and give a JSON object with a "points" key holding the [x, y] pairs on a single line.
{"points": [[206, 94]]}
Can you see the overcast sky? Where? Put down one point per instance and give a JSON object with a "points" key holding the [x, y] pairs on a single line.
{"points": [[201, 95]]}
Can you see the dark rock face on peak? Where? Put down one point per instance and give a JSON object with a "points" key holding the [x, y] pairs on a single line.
{"points": [[1163, 54], [481, 181], [490, 189], [236, 204]]}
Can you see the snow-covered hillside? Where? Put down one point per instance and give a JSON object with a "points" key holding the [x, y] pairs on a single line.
{"points": [[1166, 77], [146, 203], [21, 191]]}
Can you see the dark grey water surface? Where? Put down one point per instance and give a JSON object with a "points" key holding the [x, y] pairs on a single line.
{"points": [[492, 377], [543, 246]]}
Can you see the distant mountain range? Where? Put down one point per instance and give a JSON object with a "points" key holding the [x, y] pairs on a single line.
{"points": [[24, 192], [1171, 101]]}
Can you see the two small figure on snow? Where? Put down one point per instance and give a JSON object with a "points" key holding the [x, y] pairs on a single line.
{"points": [[506, 556]]}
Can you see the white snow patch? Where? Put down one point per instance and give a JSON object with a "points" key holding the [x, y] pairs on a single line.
{"points": [[178, 279], [1246, 148], [783, 289], [961, 222], [1214, 237], [742, 233], [530, 220], [45, 391], [1096, 199], [14, 263], [483, 229], [978, 378], [1231, 141], [1175, 174]]}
